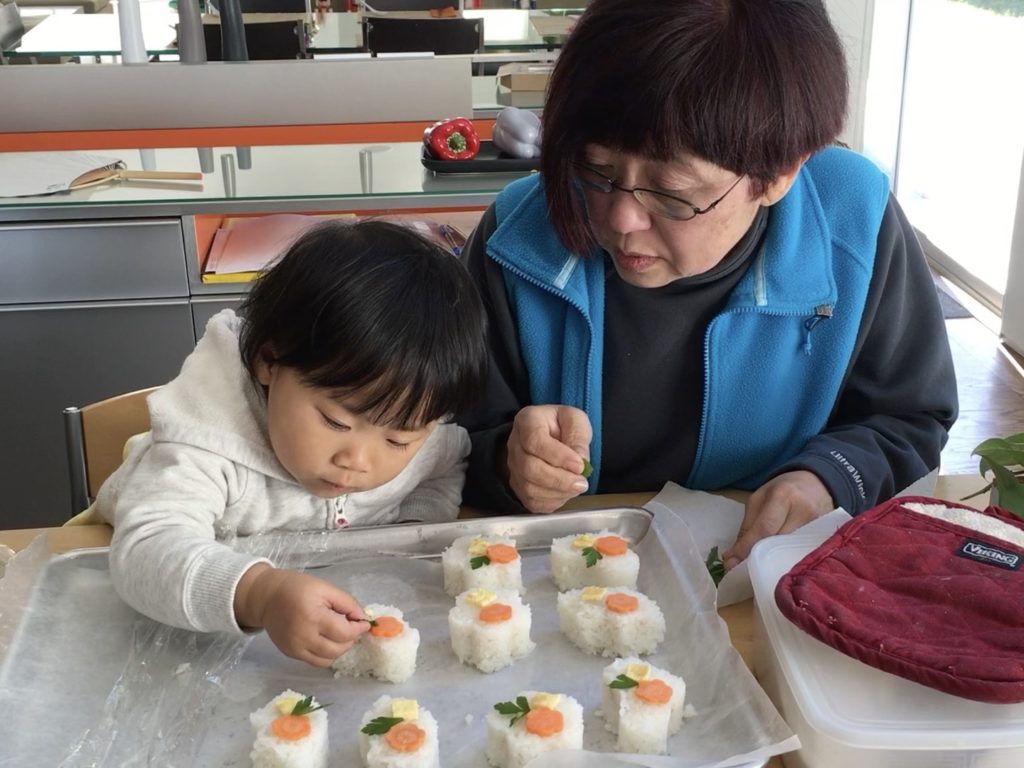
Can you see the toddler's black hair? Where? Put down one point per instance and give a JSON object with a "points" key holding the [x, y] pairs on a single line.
{"points": [[375, 311]]}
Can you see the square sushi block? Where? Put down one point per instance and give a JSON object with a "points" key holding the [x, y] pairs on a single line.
{"points": [[398, 733], [534, 723], [642, 704], [611, 622], [599, 559], [289, 732], [490, 562], [490, 630], [387, 651]]}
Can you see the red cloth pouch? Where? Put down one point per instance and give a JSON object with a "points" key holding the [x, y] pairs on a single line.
{"points": [[929, 590]]}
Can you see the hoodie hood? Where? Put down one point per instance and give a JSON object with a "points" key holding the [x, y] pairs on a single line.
{"points": [[201, 407]]}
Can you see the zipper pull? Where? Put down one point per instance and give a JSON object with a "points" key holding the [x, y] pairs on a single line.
{"points": [[821, 312]]}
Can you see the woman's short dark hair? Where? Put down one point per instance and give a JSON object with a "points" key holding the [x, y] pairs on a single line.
{"points": [[376, 308], [752, 86]]}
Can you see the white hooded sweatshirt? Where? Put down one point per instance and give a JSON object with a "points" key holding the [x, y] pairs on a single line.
{"points": [[207, 471]]}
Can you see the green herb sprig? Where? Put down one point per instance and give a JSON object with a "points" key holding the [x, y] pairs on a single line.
{"points": [[516, 709], [623, 681], [479, 562], [306, 706], [716, 567], [592, 556], [380, 725], [588, 469]]}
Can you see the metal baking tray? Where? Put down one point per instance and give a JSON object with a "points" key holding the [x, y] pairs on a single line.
{"points": [[85, 680]]}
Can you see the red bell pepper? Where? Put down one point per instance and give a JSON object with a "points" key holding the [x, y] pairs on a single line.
{"points": [[453, 139]]}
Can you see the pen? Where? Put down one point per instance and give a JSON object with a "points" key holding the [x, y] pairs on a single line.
{"points": [[446, 232]]}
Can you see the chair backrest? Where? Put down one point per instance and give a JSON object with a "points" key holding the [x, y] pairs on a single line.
{"points": [[442, 36], [95, 436], [264, 40], [12, 28]]}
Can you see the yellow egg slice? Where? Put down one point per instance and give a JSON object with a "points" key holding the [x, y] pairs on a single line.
{"points": [[480, 597], [407, 709], [593, 594]]}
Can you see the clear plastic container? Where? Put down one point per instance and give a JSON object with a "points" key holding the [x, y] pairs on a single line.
{"points": [[850, 715]]}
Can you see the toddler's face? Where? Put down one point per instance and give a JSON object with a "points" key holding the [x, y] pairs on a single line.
{"points": [[326, 446]]}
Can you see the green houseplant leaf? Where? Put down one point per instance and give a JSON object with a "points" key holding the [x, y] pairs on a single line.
{"points": [[1003, 459]]}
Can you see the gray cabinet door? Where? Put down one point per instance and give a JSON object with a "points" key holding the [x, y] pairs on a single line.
{"points": [[56, 355]]}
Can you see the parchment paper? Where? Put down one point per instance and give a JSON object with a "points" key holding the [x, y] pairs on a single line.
{"points": [[84, 680]]}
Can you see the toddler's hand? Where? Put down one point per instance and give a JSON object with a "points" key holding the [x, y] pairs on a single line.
{"points": [[307, 618]]}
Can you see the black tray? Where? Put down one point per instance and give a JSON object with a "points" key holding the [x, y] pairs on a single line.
{"points": [[489, 159]]}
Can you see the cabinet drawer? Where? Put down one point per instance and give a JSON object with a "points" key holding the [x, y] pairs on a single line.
{"points": [[81, 261]]}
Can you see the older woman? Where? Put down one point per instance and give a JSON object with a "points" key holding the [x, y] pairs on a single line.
{"points": [[700, 287]]}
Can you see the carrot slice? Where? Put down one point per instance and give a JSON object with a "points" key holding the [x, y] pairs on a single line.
{"points": [[291, 727], [406, 737], [501, 553], [620, 602], [611, 546], [387, 626], [654, 691], [495, 613], [543, 721]]}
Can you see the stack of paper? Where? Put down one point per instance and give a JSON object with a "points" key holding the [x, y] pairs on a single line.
{"points": [[43, 173], [244, 247]]}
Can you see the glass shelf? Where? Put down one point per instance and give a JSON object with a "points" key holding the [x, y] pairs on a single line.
{"points": [[348, 176]]}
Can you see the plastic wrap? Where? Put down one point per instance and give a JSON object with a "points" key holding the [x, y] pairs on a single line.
{"points": [[84, 680]]}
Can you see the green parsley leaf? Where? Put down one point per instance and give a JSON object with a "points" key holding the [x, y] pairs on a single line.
{"points": [[588, 469], [623, 681], [380, 725], [305, 706], [479, 562], [516, 709], [716, 567], [592, 556]]}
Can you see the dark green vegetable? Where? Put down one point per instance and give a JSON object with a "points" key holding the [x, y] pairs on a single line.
{"points": [[380, 725], [517, 709], [716, 567]]}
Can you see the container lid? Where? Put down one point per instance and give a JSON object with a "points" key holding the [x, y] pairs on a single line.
{"points": [[856, 704]]}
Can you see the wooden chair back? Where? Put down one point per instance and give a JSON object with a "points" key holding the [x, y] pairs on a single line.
{"points": [[96, 435]]}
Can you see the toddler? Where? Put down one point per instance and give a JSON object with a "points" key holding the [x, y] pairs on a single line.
{"points": [[323, 404]]}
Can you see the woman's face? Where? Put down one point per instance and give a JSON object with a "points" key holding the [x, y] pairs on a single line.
{"points": [[650, 250]]}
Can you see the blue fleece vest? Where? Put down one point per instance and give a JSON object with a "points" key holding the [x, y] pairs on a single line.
{"points": [[774, 358]]}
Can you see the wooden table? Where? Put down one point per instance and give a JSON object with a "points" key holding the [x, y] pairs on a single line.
{"points": [[739, 618]]}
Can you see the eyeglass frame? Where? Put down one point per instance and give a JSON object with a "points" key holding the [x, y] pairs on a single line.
{"points": [[613, 185]]}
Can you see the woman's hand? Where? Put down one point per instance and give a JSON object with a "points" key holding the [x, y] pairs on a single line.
{"points": [[307, 618], [781, 505], [545, 455]]}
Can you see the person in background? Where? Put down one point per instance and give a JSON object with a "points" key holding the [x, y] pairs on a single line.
{"points": [[700, 286], [324, 405]]}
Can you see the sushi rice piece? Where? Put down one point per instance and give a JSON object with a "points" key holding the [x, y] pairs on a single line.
{"points": [[642, 704], [490, 630], [599, 559], [398, 733], [284, 737], [611, 621], [516, 734], [380, 653], [491, 562]]}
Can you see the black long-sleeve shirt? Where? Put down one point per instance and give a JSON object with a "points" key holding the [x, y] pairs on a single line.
{"points": [[887, 429]]}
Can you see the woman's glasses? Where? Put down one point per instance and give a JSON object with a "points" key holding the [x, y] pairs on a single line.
{"points": [[658, 203]]}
